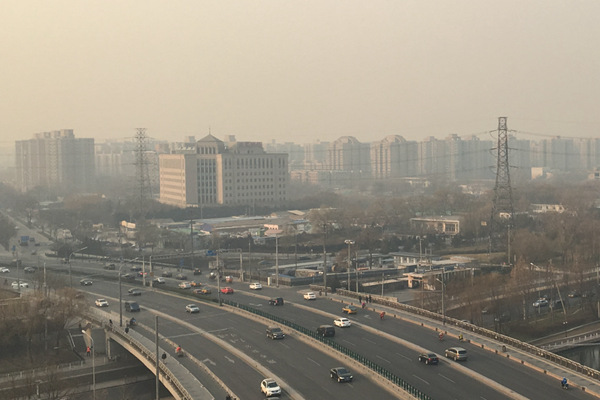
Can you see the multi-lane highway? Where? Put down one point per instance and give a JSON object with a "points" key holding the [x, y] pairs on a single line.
{"points": [[305, 369]]}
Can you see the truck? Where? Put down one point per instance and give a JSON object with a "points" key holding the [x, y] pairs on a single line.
{"points": [[24, 241]]}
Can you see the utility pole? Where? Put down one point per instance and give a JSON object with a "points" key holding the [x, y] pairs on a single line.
{"points": [[325, 257]]}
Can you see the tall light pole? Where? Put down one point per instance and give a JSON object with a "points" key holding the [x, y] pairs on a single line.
{"points": [[443, 295], [276, 261], [120, 297], [69, 259], [349, 243], [325, 257], [93, 361]]}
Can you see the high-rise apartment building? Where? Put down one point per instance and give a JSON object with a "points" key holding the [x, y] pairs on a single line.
{"points": [[55, 159], [393, 157], [240, 173]]}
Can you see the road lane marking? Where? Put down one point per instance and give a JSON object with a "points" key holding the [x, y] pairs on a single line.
{"points": [[230, 360], [445, 377], [403, 356], [310, 359], [422, 380], [381, 358], [370, 341], [349, 342]]}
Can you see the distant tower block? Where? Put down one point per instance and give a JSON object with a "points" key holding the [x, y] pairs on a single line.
{"points": [[502, 218]]}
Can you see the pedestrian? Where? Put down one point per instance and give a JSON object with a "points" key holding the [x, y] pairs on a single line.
{"points": [[359, 298], [110, 323], [363, 304], [89, 351], [370, 301]]}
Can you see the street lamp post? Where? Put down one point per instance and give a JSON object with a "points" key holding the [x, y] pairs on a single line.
{"points": [[443, 296], [276, 261], [349, 243], [120, 297], [69, 259], [93, 362], [325, 258]]}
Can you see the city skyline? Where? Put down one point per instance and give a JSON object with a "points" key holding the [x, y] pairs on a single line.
{"points": [[282, 71]]}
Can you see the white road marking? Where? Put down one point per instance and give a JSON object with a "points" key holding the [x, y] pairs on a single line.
{"points": [[208, 360], [445, 377], [230, 360], [422, 380], [370, 341], [349, 342], [381, 358], [403, 356], [310, 359]]}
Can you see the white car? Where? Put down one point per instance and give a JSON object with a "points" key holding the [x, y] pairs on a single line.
{"points": [[192, 308], [269, 387], [255, 286], [4, 270], [185, 285], [101, 303], [159, 280], [342, 322], [309, 296], [15, 285]]}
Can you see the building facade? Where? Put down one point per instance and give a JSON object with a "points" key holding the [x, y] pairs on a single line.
{"points": [[55, 159], [240, 173]]}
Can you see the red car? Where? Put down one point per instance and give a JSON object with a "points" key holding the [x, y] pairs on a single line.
{"points": [[226, 290]]}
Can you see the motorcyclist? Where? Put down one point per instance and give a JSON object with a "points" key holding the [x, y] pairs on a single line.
{"points": [[564, 383], [460, 337], [132, 322]]}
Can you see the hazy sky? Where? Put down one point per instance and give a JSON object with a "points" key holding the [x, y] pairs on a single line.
{"points": [[298, 70]]}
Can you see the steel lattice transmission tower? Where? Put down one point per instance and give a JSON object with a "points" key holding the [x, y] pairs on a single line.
{"points": [[141, 169], [502, 218]]}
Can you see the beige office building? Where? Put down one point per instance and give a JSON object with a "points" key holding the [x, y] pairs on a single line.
{"points": [[216, 174]]}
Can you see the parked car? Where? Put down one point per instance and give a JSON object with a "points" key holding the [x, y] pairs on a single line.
{"points": [[277, 301], [340, 374], [255, 286], [132, 306], [227, 290], [134, 292], [274, 332], [310, 296], [4, 270], [192, 309], [429, 358], [456, 353], [86, 282], [101, 303], [15, 285], [128, 277], [269, 387], [229, 279], [342, 322], [350, 309], [111, 267], [29, 270]]}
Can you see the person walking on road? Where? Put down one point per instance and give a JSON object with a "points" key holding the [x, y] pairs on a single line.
{"points": [[88, 351]]}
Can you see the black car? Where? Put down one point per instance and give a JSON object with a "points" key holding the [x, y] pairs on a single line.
{"points": [[167, 274], [277, 301], [111, 267], [134, 292], [274, 332], [181, 277], [429, 358], [86, 282], [340, 374], [128, 277], [197, 271], [132, 306], [136, 268]]}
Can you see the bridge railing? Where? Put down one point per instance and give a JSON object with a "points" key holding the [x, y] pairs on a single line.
{"points": [[502, 339], [390, 376], [150, 355]]}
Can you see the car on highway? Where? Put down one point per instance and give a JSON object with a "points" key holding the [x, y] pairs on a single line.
{"points": [[340, 374], [227, 290], [310, 296], [167, 274], [16, 285], [276, 301], [29, 270], [132, 306], [274, 332], [101, 303], [269, 387], [540, 303], [197, 271], [342, 322], [203, 290], [573, 294], [184, 285], [456, 353], [326, 330], [4, 270], [255, 286], [195, 284], [136, 268], [143, 273], [428, 358], [181, 277], [111, 267], [134, 292], [86, 282], [192, 308], [349, 309], [128, 277], [159, 280]]}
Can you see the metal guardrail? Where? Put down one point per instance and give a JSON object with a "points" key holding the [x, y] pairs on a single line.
{"points": [[502, 339], [148, 354], [396, 380], [40, 371]]}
